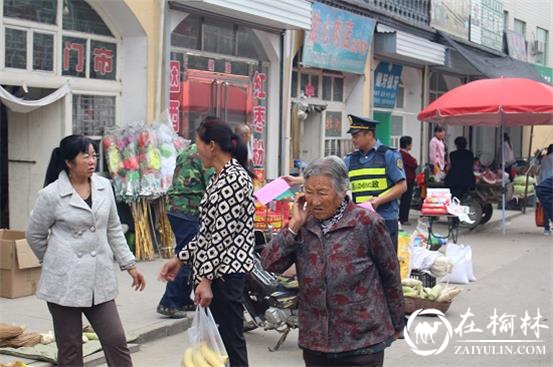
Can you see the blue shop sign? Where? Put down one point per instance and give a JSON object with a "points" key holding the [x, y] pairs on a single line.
{"points": [[338, 40], [386, 81]]}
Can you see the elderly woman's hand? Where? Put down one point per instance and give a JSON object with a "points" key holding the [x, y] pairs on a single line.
{"points": [[299, 213]]}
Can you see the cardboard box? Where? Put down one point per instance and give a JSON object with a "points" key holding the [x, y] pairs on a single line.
{"points": [[19, 267]]}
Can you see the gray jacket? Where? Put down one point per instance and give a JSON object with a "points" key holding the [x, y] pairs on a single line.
{"points": [[76, 244]]}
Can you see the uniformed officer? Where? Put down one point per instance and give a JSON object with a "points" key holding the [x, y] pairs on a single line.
{"points": [[375, 172]]}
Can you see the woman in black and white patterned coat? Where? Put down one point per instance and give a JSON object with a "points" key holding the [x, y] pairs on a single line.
{"points": [[221, 253]]}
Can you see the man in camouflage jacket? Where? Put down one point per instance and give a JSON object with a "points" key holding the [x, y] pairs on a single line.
{"points": [[190, 181]]}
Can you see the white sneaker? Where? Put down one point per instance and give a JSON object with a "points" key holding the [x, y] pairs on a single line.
{"points": [[547, 233]]}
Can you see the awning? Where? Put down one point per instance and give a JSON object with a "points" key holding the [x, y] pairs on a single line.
{"points": [[25, 106], [290, 14], [402, 46], [495, 67]]}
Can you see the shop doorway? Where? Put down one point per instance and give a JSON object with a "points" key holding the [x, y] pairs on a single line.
{"points": [[205, 93], [311, 137]]}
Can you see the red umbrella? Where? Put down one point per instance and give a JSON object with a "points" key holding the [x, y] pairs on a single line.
{"points": [[492, 102], [495, 103]]}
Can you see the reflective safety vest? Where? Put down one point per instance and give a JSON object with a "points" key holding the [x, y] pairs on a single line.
{"points": [[368, 180]]}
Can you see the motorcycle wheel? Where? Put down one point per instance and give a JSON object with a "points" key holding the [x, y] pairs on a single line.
{"points": [[475, 212], [487, 211]]}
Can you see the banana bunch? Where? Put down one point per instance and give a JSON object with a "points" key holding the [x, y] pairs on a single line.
{"points": [[203, 356]]}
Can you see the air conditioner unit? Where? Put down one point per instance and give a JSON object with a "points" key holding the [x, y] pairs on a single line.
{"points": [[538, 47]]}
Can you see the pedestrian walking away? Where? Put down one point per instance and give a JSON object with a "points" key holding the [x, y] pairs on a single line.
{"points": [[460, 176], [351, 305], [410, 166], [222, 251], [75, 232]]}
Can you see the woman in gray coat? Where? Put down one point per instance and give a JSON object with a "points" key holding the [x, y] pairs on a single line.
{"points": [[75, 232]]}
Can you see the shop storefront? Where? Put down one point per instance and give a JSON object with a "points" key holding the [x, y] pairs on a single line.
{"points": [[328, 83], [231, 68], [65, 59], [403, 84]]}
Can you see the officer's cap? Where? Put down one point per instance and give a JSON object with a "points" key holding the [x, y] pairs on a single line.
{"points": [[357, 124]]}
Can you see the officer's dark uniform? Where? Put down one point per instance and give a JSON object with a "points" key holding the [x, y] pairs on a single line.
{"points": [[373, 173]]}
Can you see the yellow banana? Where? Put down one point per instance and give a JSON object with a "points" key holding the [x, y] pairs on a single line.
{"points": [[210, 356], [187, 360], [199, 360]]}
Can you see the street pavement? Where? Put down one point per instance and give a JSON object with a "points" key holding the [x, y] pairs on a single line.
{"points": [[514, 272]]}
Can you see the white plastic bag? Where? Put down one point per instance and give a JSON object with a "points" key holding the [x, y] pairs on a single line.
{"points": [[461, 256], [205, 346], [461, 211]]}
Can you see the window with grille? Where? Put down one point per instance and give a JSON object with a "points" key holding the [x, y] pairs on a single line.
{"points": [[16, 48], [93, 115], [542, 37], [338, 146], [81, 17], [41, 11], [397, 131]]}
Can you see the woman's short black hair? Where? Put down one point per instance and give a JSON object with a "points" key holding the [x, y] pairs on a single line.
{"points": [[405, 141], [438, 129], [461, 142]]}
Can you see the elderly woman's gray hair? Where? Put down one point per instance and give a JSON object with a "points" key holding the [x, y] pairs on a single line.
{"points": [[332, 167]]}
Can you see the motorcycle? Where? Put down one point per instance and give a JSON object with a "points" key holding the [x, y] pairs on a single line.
{"points": [[270, 300]]}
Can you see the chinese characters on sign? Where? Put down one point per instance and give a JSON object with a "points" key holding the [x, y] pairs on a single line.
{"points": [[74, 56], [338, 40], [386, 82], [174, 76], [103, 61], [259, 119], [451, 16], [333, 124], [502, 324], [174, 93], [174, 112], [486, 23]]}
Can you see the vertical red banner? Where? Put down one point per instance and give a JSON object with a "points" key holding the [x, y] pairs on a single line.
{"points": [[174, 93]]}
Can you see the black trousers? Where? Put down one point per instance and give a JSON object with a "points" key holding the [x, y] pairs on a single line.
{"points": [[365, 360], [405, 203], [393, 229], [105, 321], [228, 313]]}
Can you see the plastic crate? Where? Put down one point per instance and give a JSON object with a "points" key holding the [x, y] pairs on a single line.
{"points": [[427, 279]]}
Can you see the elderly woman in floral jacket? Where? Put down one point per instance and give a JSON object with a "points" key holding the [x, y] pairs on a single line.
{"points": [[350, 296]]}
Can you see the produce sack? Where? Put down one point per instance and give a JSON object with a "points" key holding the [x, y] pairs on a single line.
{"points": [[205, 346], [461, 257]]}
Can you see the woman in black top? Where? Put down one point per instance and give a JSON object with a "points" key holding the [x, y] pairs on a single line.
{"points": [[222, 251], [460, 177]]}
